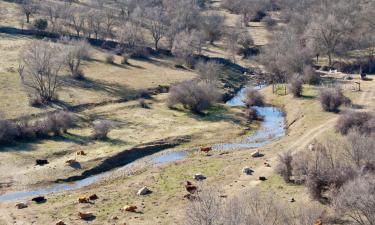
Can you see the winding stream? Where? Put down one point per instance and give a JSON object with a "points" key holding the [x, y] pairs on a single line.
{"points": [[271, 129]]}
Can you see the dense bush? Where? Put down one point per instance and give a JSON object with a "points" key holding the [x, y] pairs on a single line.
{"points": [[193, 95], [296, 86], [101, 129], [253, 98], [332, 98], [41, 24], [364, 122], [54, 123], [208, 71], [269, 21]]}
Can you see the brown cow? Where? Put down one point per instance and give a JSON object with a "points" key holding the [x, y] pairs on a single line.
{"points": [[71, 161], [60, 223], [206, 149], [81, 153], [267, 164], [83, 200], [130, 208], [318, 222]]}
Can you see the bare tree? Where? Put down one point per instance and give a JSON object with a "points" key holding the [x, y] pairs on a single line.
{"points": [[29, 7], [78, 20], [208, 71], [186, 44], [356, 200], [40, 66], [212, 26], [75, 52], [156, 23]]}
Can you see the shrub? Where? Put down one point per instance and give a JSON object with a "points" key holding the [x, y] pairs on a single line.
{"points": [[143, 103], [361, 121], [208, 71], [41, 24], [310, 76], [140, 53], [101, 129], [284, 166], [269, 21], [110, 59], [8, 131], [296, 86], [252, 114], [332, 98], [125, 59], [193, 95], [253, 98], [35, 101]]}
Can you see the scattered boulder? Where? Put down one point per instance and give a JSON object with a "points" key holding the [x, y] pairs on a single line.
{"points": [[83, 200], [262, 178], [130, 208], [60, 223], [256, 154], [81, 153], [39, 199], [21, 205], [144, 191], [247, 170], [41, 162], [199, 177], [93, 197], [85, 215]]}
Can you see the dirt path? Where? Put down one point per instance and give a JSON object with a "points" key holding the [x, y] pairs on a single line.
{"points": [[245, 182]]}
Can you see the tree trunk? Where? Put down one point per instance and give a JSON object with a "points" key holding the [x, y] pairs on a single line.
{"points": [[27, 17]]}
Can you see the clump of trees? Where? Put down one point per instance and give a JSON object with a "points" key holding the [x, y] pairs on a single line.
{"points": [[332, 98], [209, 71], [330, 170], [193, 95], [75, 52], [253, 98], [253, 207]]}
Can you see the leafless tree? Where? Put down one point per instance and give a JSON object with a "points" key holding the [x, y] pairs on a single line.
{"points": [[75, 51], [212, 26], [78, 19], [156, 24], [40, 66], [208, 71], [186, 44], [29, 7], [356, 200]]}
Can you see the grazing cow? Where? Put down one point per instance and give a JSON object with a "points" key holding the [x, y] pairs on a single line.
{"points": [[85, 215], [39, 199], [206, 149], [318, 222], [60, 223], [71, 161], [41, 162], [262, 178], [190, 187], [267, 164], [21, 205], [93, 197], [83, 200], [130, 208], [81, 153]]}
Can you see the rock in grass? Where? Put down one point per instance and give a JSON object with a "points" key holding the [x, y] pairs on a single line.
{"points": [[60, 223], [256, 154], [39, 199], [85, 215], [199, 177], [144, 191]]}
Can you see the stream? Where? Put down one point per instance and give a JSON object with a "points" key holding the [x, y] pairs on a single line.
{"points": [[270, 130]]}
